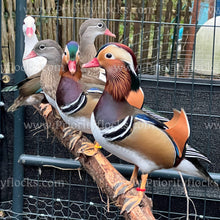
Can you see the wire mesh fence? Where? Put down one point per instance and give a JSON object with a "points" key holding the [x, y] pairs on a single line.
{"points": [[163, 35]]}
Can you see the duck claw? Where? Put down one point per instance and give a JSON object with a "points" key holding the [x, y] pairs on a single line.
{"points": [[89, 149], [70, 131], [131, 202], [76, 135], [121, 188], [46, 109], [73, 141]]}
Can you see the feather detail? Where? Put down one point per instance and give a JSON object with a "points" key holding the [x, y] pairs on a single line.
{"points": [[34, 99], [193, 153], [27, 92], [94, 90], [75, 106], [193, 167], [178, 129], [119, 130], [154, 114], [118, 81], [136, 98], [147, 119]]}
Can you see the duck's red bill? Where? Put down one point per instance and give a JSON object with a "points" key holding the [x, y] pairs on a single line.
{"points": [[93, 63], [29, 31], [32, 54], [72, 66]]}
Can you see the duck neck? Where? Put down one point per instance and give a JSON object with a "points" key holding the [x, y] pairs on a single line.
{"points": [[29, 43], [108, 110], [87, 49], [64, 72], [118, 83]]}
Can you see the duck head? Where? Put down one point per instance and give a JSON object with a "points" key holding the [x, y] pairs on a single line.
{"points": [[120, 65], [29, 26], [48, 49], [70, 60], [91, 28]]}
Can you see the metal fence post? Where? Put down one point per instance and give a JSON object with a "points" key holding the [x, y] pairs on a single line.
{"points": [[1, 135], [18, 172], [0, 65]]}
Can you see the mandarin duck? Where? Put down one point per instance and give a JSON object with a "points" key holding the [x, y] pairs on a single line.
{"points": [[77, 94], [88, 32], [36, 64], [46, 80], [135, 136], [49, 76]]}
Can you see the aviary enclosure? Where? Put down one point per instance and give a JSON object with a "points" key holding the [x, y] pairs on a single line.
{"points": [[176, 44]]}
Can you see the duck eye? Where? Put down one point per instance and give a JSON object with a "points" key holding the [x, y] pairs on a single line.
{"points": [[42, 47], [100, 25], [65, 53], [108, 55]]}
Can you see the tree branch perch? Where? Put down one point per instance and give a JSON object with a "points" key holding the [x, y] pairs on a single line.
{"points": [[101, 170]]}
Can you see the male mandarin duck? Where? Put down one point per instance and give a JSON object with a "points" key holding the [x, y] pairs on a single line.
{"points": [[88, 32], [135, 136], [77, 95], [46, 80], [34, 65]]}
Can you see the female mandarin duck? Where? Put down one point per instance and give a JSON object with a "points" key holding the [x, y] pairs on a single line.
{"points": [[46, 80], [135, 136], [36, 64], [88, 32], [76, 96]]}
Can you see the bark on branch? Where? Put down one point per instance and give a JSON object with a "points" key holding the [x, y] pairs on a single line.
{"points": [[102, 172]]}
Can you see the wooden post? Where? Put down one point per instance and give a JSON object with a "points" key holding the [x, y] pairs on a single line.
{"points": [[147, 30], [11, 36], [185, 36], [166, 36], [155, 38], [137, 27], [5, 57], [211, 9], [191, 37]]}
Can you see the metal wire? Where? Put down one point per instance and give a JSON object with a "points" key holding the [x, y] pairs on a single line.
{"points": [[61, 194]]}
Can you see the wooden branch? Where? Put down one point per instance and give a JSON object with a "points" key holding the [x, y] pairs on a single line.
{"points": [[101, 170]]}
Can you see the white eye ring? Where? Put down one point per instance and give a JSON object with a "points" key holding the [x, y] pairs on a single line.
{"points": [[100, 25], [42, 47], [109, 56]]}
